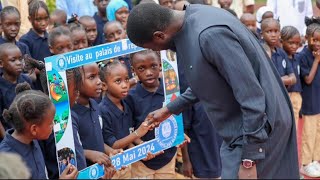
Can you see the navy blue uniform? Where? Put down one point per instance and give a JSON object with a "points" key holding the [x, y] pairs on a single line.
{"points": [[30, 153], [281, 61], [100, 24], [89, 125], [22, 46], [142, 102], [81, 159], [295, 63], [310, 93], [8, 93], [116, 123], [38, 46]]}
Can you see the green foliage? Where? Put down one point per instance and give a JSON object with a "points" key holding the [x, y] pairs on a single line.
{"points": [[51, 5]]}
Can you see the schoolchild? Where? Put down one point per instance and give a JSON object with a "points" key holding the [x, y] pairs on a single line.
{"points": [[270, 32], [31, 115]]}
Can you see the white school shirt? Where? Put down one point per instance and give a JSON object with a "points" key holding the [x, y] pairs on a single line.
{"points": [[292, 12]]}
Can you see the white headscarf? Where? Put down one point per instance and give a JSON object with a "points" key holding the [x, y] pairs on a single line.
{"points": [[260, 13]]}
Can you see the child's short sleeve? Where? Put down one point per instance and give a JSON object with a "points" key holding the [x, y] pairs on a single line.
{"points": [[304, 68]]}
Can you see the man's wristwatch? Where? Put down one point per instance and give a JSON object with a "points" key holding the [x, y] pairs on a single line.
{"points": [[247, 163]]}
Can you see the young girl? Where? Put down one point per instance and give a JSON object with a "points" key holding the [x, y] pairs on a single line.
{"points": [[74, 79], [310, 58], [118, 10], [270, 31], [31, 115], [291, 40], [89, 122], [37, 38], [11, 21], [78, 36], [116, 114]]}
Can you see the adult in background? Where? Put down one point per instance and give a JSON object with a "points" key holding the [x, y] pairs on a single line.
{"points": [[292, 12], [229, 72], [239, 6]]}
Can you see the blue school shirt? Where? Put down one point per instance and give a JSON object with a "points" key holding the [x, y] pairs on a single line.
{"points": [[22, 46], [89, 125], [81, 159], [142, 102], [38, 46], [295, 63], [48, 148], [8, 93], [30, 153], [310, 93], [116, 123], [281, 62], [100, 24]]}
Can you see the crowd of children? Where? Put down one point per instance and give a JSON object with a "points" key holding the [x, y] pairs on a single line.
{"points": [[110, 100]]}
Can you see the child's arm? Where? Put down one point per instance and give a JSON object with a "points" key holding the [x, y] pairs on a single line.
{"points": [[137, 134], [309, 78], [2, 131], [97, 157], [186, 165]]}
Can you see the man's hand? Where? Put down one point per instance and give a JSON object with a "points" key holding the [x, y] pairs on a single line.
{"points": [[245, 173], [157, 116]]}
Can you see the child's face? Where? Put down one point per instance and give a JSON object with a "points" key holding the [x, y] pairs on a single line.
{"points": [[250, 23], [225, 3], [122, 16], [291, 45], [147, 68], [91, 83], [59, 20], [314, 41], [114, 32], [101, 5], [42, 131], [79, 39], [117, 82], [91, 30], [166, 3], [41, 21], [271, 34], [11, 26], [62, 44], [12, 62]]}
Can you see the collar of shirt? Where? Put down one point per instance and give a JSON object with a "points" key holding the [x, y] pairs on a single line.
{"points": [[34, 35], [142, 92], [114, 109], [19, 147], [80, 109], [5, 84]]}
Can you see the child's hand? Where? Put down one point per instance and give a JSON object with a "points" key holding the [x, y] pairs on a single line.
{"points": [[187, 169], [316, 55], [151, 156], [185, 142], [109, 172], [101, 158], [115, 151], [70, 172], [143, 129]]}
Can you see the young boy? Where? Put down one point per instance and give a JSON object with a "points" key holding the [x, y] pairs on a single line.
{"points": [[250, 21], [57, 18], [100, 17], [11, 63], [90, 26], [146, 97]]}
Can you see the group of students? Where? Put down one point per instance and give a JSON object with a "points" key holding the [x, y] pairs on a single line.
{"points": [[108, 105], [297, 64]]}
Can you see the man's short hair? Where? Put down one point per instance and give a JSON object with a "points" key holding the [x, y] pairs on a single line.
{"points": [[145, 19]]}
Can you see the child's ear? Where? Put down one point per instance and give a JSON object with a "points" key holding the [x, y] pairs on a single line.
{"points": [[104, 86], [33, 130]]}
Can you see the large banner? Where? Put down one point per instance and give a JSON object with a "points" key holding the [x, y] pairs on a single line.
{"points": [[168, 134]]}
